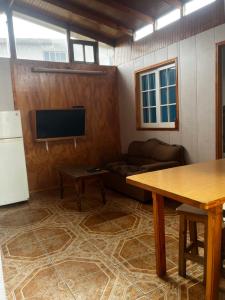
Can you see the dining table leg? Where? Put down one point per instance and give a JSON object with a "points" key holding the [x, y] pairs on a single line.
{"points": [[159, 232], [213, 252]]}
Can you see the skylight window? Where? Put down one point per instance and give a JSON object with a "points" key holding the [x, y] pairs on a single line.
{"points": [[34, 39], [168, 18], [194, 5], [144, 31]]}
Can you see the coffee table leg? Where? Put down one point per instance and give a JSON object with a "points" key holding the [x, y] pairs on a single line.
{"points": [[102, 188], [213, 252], [159, 231], [78, 192], [61, 185]]}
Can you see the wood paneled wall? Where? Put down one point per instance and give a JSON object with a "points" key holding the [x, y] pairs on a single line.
{"points": [[202, 20], [44, 90]]}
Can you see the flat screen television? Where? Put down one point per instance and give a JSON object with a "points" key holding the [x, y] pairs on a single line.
{"points": [[58, 123]]}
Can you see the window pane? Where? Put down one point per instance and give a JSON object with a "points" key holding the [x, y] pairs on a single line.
{"points": [[146, 115], [164, 96], [46, 56], [153, 115], [78, 53], [172, 94], [89, 54], [77, 36], [33, 37], [145, 96], [163, 80], [144, 81], [164, 114], [4, 38], [151, 81], [152, 98], [172, 109], [172, 76], [52, 56]]}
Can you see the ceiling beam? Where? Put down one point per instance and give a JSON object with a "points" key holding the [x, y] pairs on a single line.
{"points": [[91, 15], [125, 9], [174, 3], [40, 14]]}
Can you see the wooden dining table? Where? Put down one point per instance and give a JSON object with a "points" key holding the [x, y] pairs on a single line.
{"points": [[201, 185]]}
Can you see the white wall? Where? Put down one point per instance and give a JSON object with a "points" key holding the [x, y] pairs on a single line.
{"points": [[6, 94], [196, 84]]}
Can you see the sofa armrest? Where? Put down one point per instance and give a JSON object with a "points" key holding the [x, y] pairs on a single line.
{"points": [[160, 165]]}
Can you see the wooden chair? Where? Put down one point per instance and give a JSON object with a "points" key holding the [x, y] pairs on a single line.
{"points": [[189, 217]]}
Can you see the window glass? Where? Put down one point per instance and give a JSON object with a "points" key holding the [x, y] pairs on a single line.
{"points": [[4, 37], [78, 52], [163, 78], [89, 54], [169, 18], [153, 115], [152, 98], [172, 94], [145, 83], [77, 36], [145, 99], [35, 38], [164, 114], [106, 54], [172, 76], [146, 115], [172, 113], [194, 5], [164, 96], [54, 56], [152, 81]]}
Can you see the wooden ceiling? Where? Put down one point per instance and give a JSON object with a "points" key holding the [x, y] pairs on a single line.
{"points": [[104, 20]]}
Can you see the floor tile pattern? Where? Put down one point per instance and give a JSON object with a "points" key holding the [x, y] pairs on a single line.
{"points": [[51, 251]]}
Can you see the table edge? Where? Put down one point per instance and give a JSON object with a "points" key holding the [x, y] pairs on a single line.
{"points": [[182, 199]]}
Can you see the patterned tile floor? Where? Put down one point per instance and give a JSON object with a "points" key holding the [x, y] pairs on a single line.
{"points": [[53, 252]]}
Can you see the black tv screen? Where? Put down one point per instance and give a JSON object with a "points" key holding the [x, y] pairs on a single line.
{"points": [[59, 123]]}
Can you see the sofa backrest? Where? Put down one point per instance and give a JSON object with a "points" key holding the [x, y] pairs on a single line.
{"points": [[154, 150]]}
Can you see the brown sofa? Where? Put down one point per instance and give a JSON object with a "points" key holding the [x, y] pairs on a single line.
{"points": [[142, 157]]}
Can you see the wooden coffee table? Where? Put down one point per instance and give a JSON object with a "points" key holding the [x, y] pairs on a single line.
{"points": [[79, 176]]}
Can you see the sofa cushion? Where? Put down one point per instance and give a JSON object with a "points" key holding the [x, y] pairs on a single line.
{"points": [[123, 169], [138, 160], [164, 152]]}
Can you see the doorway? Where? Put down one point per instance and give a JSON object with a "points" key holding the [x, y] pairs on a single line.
{"points": [[220, 100]]}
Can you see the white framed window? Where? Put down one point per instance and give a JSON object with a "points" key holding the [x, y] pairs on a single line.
{"points": [[157, 97]]}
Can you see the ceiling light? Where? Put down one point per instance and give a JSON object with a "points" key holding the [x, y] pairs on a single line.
{"points": [[194, 5], [142, 32], [168, 18]]}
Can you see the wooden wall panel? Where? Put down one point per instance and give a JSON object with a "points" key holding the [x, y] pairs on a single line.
{"points": [[202, 20], [42, 90]]}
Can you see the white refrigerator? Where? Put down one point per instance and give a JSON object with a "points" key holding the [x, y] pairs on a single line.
{"points": [[13, 173]]}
